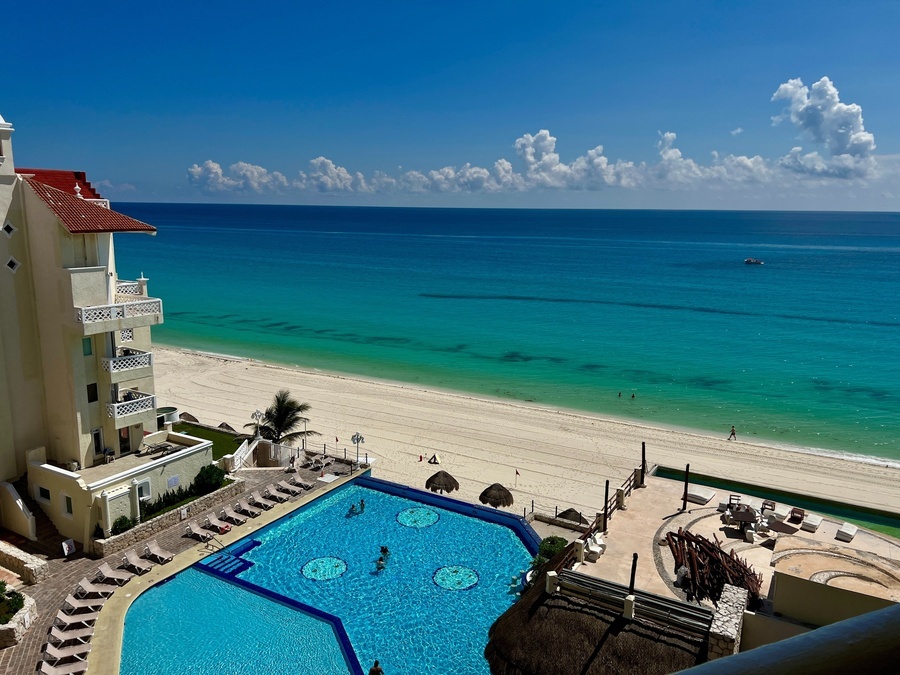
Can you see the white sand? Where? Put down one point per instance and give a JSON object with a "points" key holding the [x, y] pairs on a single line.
{"points": [[563, 456]]}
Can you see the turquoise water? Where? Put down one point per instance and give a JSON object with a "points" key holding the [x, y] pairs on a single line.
{"points": [[446, 581], [564, 308]]}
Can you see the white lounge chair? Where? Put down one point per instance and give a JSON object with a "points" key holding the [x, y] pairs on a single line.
{"points": [[194, 530], [286, 487], [75, 604], [847, 532], [258, 500], [120, 577], [300, 483], [54, 654], [66, 669], [698, 494], [156, 552], [66, 621], [273, 493], [213, 523], [811, 522], [60, 637], [88, 589], [133, 562], [244, 507], [233, 516]]}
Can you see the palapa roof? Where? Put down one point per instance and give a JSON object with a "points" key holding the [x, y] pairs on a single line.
{"points": [[559, 635], [496, 495], [80, 216], [442, 481]]}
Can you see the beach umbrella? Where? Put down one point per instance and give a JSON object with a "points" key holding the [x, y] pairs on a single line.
{"points": [[496, 495], [227, 427], [572, 514], [442, 482], [187, 417]]}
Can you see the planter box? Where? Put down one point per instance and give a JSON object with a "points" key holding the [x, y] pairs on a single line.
{"points": [[11, 633]]}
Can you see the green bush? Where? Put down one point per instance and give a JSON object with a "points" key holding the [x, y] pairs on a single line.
{"points": [[10, 603], [122, 524], [98, 531], [550, 546], [209, 479]]}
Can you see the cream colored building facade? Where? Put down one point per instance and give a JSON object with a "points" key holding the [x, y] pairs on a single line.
{"points": [[78, 413]]}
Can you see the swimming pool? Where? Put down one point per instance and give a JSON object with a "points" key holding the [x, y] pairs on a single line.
{"points": [[445, 582]]}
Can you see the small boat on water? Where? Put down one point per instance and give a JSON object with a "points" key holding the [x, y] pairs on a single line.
{"points": [[753, 261]]}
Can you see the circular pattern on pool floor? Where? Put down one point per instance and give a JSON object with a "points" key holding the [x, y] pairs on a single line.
{"points": [[418, 517], [324, 569], [455, 577]]}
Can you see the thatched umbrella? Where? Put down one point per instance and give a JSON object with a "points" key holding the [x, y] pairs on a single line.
{"points": [[442, 482], [227, 427], [187, 417], [496, 495], [572, 514]]}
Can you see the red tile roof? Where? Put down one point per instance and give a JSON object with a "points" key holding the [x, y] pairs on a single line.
{"points": [[63, 180], [80, 216]]}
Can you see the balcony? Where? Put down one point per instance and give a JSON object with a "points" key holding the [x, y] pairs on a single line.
{"points": [[128, 364], [129, 311], [135, 407]]}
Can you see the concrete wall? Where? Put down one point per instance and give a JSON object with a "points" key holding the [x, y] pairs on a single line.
{"points": [[14, 515], [819, 604], [761, 629]]}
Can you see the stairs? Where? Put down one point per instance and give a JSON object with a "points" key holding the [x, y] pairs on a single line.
{"points": [[49, 540], [224, 564]]}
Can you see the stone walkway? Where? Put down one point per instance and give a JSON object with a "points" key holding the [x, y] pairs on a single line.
{"points": [[65, 573]]}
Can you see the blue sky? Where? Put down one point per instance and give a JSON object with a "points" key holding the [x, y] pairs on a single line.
{"points": [[464, 104]]}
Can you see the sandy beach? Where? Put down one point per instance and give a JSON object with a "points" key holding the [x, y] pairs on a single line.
{"points": [[563, 457]]}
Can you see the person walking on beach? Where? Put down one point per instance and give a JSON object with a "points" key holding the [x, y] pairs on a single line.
{"points": [[733, 436]]}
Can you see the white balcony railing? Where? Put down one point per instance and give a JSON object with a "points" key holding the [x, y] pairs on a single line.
{"points": [[133, 402], [124, 308], [128, 359], [128, 287]]}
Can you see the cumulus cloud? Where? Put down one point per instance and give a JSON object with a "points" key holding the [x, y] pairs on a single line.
{"points": [[846, 152], [118, 188]]}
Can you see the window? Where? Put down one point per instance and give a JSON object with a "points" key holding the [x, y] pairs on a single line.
{"points": [[97, 440], [87, 346], [69, 509], [144, 491], [9, 228], [12, 264], [93, 395], [126, 335], [43, 494]]}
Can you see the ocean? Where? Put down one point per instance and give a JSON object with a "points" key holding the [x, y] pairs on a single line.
{"points": [[643, 315]]}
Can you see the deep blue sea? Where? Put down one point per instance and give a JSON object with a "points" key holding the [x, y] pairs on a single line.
{"points": [[564, 308]]}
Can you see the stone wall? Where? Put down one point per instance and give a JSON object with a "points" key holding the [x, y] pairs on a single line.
{"points": [[11, 632], [140, 533], [30, 569], [725, 631]]}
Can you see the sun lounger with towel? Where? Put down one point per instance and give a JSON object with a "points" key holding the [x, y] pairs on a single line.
{"points": [[847, 532], [105, 572], [258, 500], [284, 486], [66, 669], [74, 604], [55, 654], [300, 483], [244, 507], [194, 530], [60, 637], [273, 493], [88, 589], [68, 620], [155, 552], [811, 522], [132, 562], [232, 516], [220, 526]]}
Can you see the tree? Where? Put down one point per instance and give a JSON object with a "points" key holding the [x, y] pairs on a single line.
{"points": [[281, 420]]}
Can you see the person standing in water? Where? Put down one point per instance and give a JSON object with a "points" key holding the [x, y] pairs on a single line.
{"points": [[733, 436]]}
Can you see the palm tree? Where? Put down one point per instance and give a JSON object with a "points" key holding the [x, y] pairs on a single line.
{"points": [[280, 420]]}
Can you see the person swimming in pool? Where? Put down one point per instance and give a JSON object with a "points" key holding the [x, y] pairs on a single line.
{"points": [[385, 552], [380, 564], [352, 511], [362, 505]]}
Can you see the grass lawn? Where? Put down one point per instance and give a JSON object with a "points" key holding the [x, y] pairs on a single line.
{"points": [[223, 442]]}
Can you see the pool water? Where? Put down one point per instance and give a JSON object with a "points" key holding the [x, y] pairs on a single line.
{"points": [[445, 582]]}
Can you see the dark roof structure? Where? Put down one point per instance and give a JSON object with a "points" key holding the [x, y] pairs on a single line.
{"points": [[80, 216]]}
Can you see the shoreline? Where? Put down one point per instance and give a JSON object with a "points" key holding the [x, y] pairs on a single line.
{"points": [[563, 456]]}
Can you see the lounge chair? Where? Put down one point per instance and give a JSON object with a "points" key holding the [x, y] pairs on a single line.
{"points": [[258, 500], [233, 516], [811, 522], [697, 494], [65, 669], [244, 507], [66, 621], [300, 483], [847, 532], [321, 464], [118, 577], [60, 637], [90, 604], [133, 562], [194, 530], [88, 589], [156, 552], [56, 654], [220, 526], [272, 492], [284, 486]]}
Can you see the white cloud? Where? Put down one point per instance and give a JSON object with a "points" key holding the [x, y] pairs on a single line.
{"points": [[816, 111], [120, 188]]}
